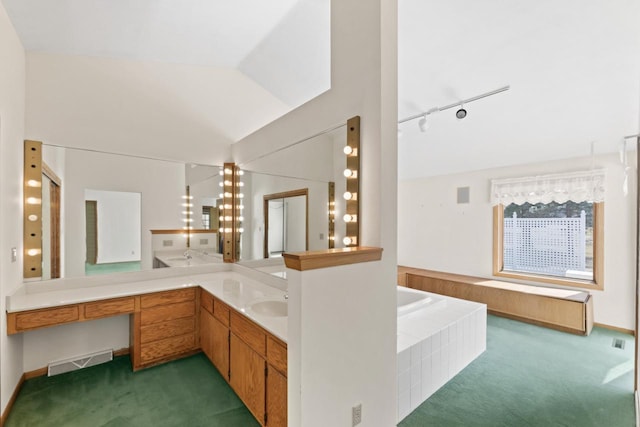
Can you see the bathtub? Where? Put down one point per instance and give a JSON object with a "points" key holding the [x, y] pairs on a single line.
{"points": [[437, 337], [410, 300]]}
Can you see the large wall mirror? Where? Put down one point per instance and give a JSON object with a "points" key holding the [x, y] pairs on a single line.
{"points": [[100, 213], [106, 213]]}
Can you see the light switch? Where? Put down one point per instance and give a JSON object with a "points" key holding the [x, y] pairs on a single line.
{"points": [[14, 254]]}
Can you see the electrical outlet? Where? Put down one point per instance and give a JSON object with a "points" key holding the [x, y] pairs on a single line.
{"points": [[356, 415]]}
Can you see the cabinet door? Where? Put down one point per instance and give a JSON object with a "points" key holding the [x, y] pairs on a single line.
{"points": [[219, 346], [276, 398], [206, 319], [248, 377]]}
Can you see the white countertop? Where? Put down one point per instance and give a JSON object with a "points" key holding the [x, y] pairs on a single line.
{"points": [[236, 290], [177, 258]]}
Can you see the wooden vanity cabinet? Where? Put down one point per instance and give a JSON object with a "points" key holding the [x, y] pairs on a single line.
{"points": [[214, 332], [165, 327]]}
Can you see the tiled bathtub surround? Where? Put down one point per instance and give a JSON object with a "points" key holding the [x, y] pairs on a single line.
{"points": [[434, 344]]}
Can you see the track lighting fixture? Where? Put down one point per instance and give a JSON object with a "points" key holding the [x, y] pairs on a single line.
{"points": [[423, 124], [461, 113]]}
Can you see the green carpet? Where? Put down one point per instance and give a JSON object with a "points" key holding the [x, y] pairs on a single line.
{"points": [[533, 376], [187, 392], [529, 376]]}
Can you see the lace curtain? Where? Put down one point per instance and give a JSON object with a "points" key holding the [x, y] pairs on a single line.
{"points": [[575, 186]]}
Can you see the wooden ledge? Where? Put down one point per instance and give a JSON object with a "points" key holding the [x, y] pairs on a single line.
{"points": [[178, 231], [303, 261]]}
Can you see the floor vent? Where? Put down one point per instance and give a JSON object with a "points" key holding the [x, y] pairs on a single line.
{"points": [[618, 343], [79, 362]]}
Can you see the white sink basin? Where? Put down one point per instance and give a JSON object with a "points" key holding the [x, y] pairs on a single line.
{"points": [[271, 308]]}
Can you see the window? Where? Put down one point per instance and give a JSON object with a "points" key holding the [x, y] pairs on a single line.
{"points": [[542, 235]]}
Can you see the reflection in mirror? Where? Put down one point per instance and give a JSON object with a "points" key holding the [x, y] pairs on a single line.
{"points": [[124, 237], [315, 164], [286, 223]]}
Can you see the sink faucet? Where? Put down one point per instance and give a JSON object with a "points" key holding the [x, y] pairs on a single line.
{"points": [[286, 296], [187, 254]]}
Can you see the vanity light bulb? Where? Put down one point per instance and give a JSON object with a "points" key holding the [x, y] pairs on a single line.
{"points": [[221, 195], [187, 205], [240, 172], [349, 218], [33, 201], [33, 183], [221, 218], [228, 218], [32, 217], [227, 194], [240, 195], [347, 195], [346, 240], [241, 230], [347, 150], [187, 197], [227, 171], [33, 252], [221, 184], [348, 173], [227, 183], [240, 218], [241, 184]]}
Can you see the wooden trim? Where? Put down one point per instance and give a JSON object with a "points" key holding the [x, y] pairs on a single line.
{"points": [[49, 173], [12, 401], [40, 372], [331, 238], [303, 261], [283, 195], [352, 206], [55, 194], [177, 231], [615, 328], [598, 254]]}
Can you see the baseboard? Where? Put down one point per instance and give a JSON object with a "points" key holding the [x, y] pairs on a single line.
{"points": [[615, 328], [14, 396], [41, 372]]}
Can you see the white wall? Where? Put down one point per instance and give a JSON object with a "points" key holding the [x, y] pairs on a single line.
{"points": [[12, 108], [118, 225], [434, 232], [364, 83], [142, 107]]}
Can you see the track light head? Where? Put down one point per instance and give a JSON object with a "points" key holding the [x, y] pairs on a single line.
{"points": [[461, 113], [423, 124]]}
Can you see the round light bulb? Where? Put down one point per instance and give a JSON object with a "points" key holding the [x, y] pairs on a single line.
{"points": [[32, 217], [346, 240], [240, 172], [227, 171], [221, 195], [33, 252], [347, 173], [347, 150], [221, 184], [347, 195], [347, 218]]}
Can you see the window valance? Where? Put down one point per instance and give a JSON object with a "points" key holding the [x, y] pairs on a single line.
{"points": [[575, 186]]}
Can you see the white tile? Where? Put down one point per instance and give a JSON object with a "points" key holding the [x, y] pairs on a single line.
{"points": [[428, 388], [404, 404], [416, 354], [453, 358], [436, 367], [427, 376], [416, 374], [453, 332], [435, 342], [416, 396], [404, 381], [444, 336], [426, 347], [404, 360]]}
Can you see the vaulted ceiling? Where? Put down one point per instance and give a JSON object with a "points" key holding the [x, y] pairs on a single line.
{"points": [[573, 68]]}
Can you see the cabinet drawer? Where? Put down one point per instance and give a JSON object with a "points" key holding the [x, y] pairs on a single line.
{"points": [[167, 347], [168, 329], [277, 355], [46, 317], [206, 301], [112, 307], [168, 297], [221, 312], [251, 334], [163, 313]]}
